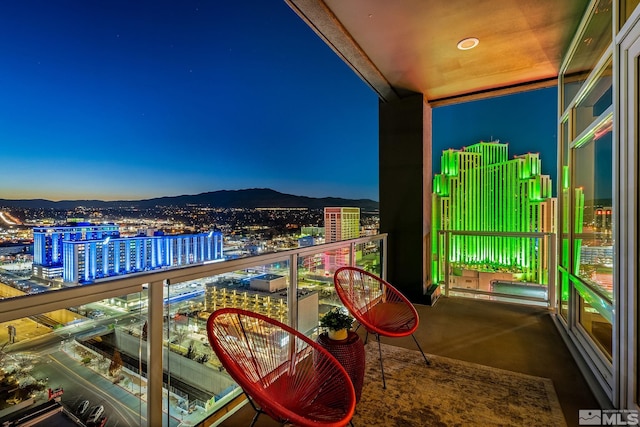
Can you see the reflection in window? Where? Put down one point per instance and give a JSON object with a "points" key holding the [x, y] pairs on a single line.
{"points": [[564, 294], [593, 178], [597, 326], [626, 9], [596, 101], [593, 42]]}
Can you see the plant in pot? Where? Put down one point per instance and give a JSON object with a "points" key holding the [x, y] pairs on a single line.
{"points": [[337, 323]]}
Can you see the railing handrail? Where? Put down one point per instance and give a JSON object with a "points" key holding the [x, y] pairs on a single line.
{"points": [[498, 233]]}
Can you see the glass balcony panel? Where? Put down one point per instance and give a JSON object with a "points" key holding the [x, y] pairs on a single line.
{"points": [[593, 222], [16, 280], [79, 355], [198, 382], [194, 381], [315, 275], [369, 257], [592, 44], [596, 101], [498, 267], [195, 384]]}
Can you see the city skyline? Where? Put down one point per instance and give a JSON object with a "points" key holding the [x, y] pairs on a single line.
{"points": [[127, 101]]}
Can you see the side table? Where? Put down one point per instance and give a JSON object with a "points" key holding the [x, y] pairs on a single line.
{"points": [[350, 353]]}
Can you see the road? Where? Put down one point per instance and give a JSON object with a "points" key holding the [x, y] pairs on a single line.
{"points": [[122, 407]]}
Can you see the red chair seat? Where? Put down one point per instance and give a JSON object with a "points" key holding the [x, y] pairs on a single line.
{"points": [[377, 306], [290, 377], [392, 319]]}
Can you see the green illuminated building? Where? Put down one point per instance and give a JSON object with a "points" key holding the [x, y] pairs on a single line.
{"points": [[481, 190]]}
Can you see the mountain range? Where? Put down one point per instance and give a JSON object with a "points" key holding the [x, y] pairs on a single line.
{"points": [[247, 198]]}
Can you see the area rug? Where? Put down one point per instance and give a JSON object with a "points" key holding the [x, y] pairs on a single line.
{"points": [[451, 393]]}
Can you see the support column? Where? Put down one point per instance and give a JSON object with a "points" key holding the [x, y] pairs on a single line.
{"points": [[405, 192]]}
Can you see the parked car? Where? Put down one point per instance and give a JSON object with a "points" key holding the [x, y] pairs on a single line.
{"points": [[95, 415], [96, 314], [82, 407], [100, 422]]}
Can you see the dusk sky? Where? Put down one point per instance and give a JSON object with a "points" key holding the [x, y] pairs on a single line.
{"points": [[137, 99]]}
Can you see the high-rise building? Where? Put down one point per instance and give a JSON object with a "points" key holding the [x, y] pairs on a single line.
{"points": [[480, 189], [340, 223], [82, 253], [47, 244]]}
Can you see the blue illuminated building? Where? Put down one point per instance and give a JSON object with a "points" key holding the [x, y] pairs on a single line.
{"points": [[47, 244], [83, 253]]}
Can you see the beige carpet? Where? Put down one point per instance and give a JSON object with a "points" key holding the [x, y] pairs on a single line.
{"points": [[451, 393]]}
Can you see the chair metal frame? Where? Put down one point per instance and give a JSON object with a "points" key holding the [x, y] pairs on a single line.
{"points": [[283, 373], [378, 306]]}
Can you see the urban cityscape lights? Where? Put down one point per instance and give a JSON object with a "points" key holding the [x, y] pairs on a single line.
{"points": [[83, 252]]}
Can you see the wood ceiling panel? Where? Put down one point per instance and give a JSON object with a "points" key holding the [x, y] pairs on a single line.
{"points": [[413, 42]]}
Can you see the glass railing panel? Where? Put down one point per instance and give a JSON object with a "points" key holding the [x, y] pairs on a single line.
{"points": [[198, 384], [191, 376], [16, 280], [369, 257], [195, 384], [76, 356], [315, 279], [316, 293], [496, 266]]}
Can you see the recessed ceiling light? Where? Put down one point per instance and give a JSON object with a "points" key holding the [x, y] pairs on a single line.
{"points": [[468, 43]]}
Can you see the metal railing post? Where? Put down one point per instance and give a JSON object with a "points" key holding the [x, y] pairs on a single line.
{"points": [[292, 291], [154, 353], [552, 271], [352, 254], [447, 236], [383, 258]]}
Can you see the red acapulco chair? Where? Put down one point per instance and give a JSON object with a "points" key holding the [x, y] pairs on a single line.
{"points": [[283, 373], [377, 306]]}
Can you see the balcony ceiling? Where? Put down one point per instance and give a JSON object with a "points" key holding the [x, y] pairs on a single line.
{"points": [[406, 46]]}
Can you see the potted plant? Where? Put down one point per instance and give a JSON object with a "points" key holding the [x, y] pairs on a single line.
{"points": [[337, 323]]}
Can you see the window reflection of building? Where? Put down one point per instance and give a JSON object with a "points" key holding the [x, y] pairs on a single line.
{"points": [[587, 249]]}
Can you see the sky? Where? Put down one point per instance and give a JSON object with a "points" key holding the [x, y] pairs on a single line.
{"points": [[121, 100]]}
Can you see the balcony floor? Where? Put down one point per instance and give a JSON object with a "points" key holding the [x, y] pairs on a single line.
{"points": [[507, 336]]}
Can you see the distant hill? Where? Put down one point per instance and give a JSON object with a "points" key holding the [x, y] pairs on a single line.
{"points": [[249, 198]]}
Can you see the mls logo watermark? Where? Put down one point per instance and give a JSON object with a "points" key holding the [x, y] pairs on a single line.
{"points": [[608, 417]]}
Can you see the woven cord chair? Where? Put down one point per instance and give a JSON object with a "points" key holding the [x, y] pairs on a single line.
{"points": [[283, 373], [377, 306]]}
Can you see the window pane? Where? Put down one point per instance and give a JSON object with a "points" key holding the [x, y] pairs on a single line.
{"points": [[596, 101], [592, 176], [591, 46], [597, 326], [626, 9]]}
